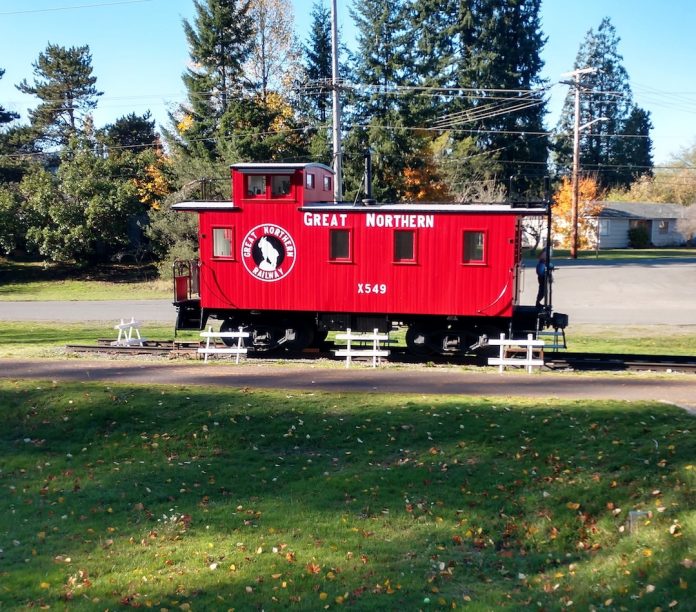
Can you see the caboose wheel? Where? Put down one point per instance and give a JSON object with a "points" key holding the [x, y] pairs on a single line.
{"points": [[263, 338], [319, 338], [418, 341], [230, 325], [299, 337]]}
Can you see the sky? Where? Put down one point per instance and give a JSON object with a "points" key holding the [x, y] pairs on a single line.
{"points": [[139, 52]]}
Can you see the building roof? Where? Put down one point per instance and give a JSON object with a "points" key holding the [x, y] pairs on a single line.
{"points": [[641, 210]]}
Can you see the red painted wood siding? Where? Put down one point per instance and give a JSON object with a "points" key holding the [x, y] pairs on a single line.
{"points": [[437, 282]]}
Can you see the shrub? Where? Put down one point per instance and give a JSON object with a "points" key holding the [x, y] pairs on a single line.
{"points": [[638, 238]]}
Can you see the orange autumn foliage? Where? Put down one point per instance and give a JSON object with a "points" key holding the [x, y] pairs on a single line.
{"points": [[588, 208]]}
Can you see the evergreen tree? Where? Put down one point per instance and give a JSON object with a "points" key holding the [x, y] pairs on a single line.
{"points": [[496, 63], [64, 84], [132, 132], [382, 115], [632, 151], [381, 55], [510, 43], [605, 94], [5, 115], [313, 85], [219, 42], [317, 65], [14, 140]]}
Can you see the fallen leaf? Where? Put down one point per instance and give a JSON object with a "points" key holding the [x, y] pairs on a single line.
{"points": [[313, 568]]}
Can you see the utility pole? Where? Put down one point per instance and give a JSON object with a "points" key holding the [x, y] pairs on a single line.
{"points": [[576, 74], [337, 147]]}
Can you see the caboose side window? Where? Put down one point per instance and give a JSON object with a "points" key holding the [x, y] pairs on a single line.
{"points": [[280, 186], [327, 183], [223, 242], [473, 247], [309, 181], [256, 185], [339, 245], [404, 246]]}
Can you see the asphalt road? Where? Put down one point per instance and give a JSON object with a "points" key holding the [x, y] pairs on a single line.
{"points": [[645, 293]]}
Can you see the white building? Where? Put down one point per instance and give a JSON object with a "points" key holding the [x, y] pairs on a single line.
{"points": [[660, 221]]}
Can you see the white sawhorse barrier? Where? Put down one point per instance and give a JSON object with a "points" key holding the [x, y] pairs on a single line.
{"points": [[530, 344], [238, 350], [125, 333], [375, 352]]}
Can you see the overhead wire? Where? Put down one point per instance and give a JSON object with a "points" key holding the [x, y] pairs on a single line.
{"points": [[501, 106], [74, 7]]}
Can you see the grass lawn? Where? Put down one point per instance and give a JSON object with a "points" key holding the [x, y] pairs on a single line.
{"points": [[32, 339], [23, 281], [39, 339], [198, 499]]}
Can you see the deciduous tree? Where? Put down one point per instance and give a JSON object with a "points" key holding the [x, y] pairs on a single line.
{"points": [[85, 211], [674, 183], [588, 209], [273, 61]]}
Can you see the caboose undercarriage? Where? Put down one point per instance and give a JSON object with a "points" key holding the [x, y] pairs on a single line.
{"points": [[425, 334]]}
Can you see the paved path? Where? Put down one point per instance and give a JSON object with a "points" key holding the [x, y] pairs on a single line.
{"points": [[626, 293], [150, 311], [677, 390]]}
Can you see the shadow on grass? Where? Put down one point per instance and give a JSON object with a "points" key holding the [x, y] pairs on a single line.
{"points": [[249, 499], [18, 272]]}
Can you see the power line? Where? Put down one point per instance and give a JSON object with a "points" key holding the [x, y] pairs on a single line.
{"points": [[72, 8]]}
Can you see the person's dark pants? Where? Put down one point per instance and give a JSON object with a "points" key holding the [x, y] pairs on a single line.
{"points": [[540, 293]]}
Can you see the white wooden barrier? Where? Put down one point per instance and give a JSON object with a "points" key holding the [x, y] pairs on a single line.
{"points": [[530, 344], [125, 333], [209, 335], [375, 352]]}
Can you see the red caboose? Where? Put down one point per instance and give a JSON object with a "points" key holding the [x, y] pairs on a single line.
{"points": [[289, 264]]}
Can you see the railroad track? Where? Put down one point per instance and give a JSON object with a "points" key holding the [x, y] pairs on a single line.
{"points": [[149, 347], [553, 360], [619, 362]]}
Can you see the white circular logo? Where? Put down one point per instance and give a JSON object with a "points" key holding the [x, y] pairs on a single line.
{"points": [[268, 252]]}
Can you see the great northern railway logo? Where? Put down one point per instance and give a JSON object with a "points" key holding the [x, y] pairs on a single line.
{"points": [[268, 252]]}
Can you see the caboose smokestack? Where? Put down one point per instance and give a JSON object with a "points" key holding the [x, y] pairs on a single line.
{"points": [[368, 178]]}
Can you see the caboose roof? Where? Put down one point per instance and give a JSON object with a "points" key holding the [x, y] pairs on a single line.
{"points": [[199, 205], [440, 207], [264, 168], [388, 208]]}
